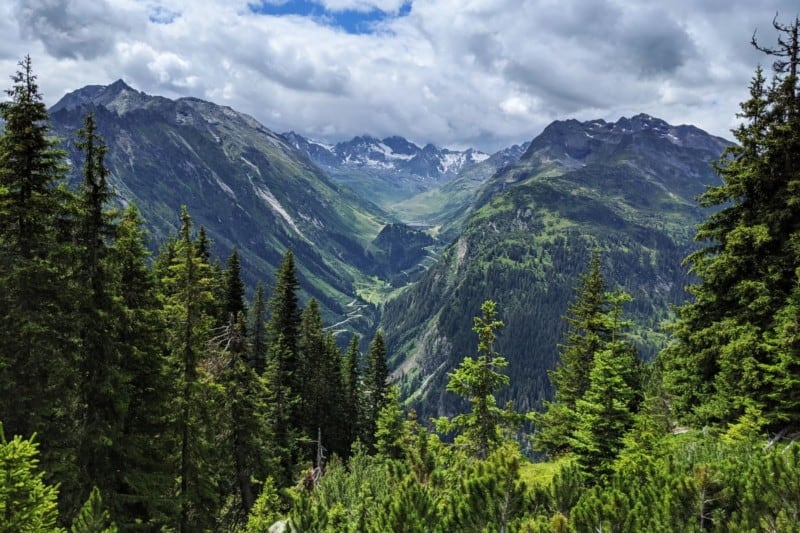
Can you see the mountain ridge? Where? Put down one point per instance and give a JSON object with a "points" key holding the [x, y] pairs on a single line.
{"points": [[244, 183], [626, 189]]}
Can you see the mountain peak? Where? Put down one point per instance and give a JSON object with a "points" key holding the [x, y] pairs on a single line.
{"points": [[571, 143], [117, 96], [118, 87]]}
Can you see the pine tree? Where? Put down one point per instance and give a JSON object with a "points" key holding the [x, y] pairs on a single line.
{"points": [[478, 380]]}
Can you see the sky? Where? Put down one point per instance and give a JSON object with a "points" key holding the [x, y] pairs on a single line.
{"points": [[456, 73]]}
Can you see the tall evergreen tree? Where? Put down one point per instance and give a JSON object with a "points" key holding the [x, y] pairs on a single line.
{"points": [[27, 503], [375, 383], [38, 367], [351, 381], [189, 330], [719, 365], [147, 444], [322, 387], [234, 287], [103, 392], [285, 313], [257, 332], [246, 397], [283, 364], [587, 334]]}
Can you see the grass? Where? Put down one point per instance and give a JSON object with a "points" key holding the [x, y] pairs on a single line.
{"points": [[541, 474]]}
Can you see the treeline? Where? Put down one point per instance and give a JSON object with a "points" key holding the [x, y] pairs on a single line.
{"points": [[153, 391]]}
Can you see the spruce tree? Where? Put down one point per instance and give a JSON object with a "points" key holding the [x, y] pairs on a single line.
{"points": [[189, 326], [322, 387], [351, 382], [146, 448], [93, 517], [246, 396], [38, 340], [477, 381], [283, 365], [285, 312], [587, 334], [257, 332], [719, 365], [604, 413], [103, 390], [27, 503], [375, 383]]}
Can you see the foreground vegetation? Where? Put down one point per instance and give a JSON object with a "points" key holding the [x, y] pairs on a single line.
{"points": [[147, 395]]}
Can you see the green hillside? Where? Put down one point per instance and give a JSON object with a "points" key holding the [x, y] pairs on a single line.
{"points": [[627, 191]]}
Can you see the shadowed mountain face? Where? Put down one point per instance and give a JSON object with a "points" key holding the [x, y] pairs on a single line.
{"points": [[245, 184], [625, 188]]}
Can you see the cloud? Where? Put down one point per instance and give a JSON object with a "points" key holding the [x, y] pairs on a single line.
{"points": [[71, 28], [453, 72]]}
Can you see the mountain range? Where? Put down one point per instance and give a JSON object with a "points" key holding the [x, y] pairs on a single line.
{"points": [[387, 170], [626, 189], [412, 239], [246, 185]]}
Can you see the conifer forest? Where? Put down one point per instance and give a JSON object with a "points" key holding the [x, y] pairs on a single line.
{"points": [[157, 391]]}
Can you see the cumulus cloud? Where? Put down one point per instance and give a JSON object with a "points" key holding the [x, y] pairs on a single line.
{"points": [[71, 28], [456, 73]]}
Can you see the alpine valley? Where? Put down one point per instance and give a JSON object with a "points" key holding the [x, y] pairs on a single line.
{"points": [[412, 239]]}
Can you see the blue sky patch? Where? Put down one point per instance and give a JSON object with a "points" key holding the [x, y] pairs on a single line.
{"points": [[162, 15], [351, 21]]}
